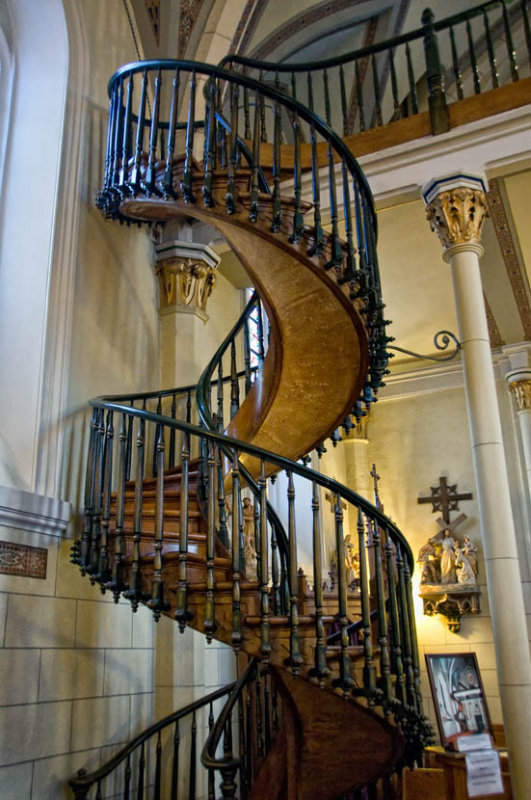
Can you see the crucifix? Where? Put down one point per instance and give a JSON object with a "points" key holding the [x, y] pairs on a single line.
{"points": [[375, 478], [445, 498]]}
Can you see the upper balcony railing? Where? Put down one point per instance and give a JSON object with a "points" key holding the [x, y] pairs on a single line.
{"points": [[462, 56]]}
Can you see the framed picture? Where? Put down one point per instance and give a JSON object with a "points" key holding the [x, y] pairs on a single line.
{"points": [[458, 696]]}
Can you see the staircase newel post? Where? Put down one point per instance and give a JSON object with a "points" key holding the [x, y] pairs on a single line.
{"points": [[439, 116]]}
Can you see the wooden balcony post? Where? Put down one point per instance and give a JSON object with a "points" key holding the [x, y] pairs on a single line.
{"points": [[439, 117]]}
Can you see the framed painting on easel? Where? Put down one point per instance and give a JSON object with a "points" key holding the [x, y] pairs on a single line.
{"points": [[458, 696]]}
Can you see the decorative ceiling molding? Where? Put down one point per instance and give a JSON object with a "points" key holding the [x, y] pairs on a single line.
{"points": [[189, 13], [242, 24], [494, 332], [295, 25], [515, 269], [153, 10]]}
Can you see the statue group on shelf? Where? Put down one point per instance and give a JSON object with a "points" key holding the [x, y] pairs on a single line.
{"points": [[444, 561]]}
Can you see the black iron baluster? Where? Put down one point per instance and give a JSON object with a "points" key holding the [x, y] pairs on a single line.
{"points": [[298, 219], [141, 772], [228, 785], [116, 583], [118, 134], [349, 272], [267, 712], [234, 150], [385, 672], [127, 778], [255, 167], [173, 413], [405, 631], [265, 642], [219, 414], [175, 762], [209, 624], [210, 144], [158, 768], [396, 635], [455, 66], [360, 238], [186, 183], [222, 511], [244, 748], [359, 96], [320, 670], [140, 126], [189, 406], [260, 331], [509, 43], [336, 257], [394, 86], [234, 384], [490, 50], [473, 60], [98, 489], [411, 80], [149, 180], [107, 180], [319, 240], [295, 658], [236, 553], [376, 91], [157, 603], [277, 149], [275, 573], [167, 183], [413, 633], [343, 93], [103, 563], [193, 758], [344, 681], [247, 357], [90, 482], [221, 135], [369, 671], [211, 776], [182, 615], [439, 117], [129, 445], [126, 138], [247, 117], [134, 594], [260, 100], [155, 442], [527, 28], [98, 795]]}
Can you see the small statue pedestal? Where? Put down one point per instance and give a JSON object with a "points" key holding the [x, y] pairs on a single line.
{"points": [[451, 600]]}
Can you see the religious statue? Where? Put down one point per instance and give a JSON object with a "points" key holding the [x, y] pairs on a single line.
{"points": [[352, 563], [470, 550], [465, 560], [429, 559], [249, 547], [448, 573]]}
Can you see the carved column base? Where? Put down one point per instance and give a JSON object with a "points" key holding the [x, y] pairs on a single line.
{"points": [[451, 602]]}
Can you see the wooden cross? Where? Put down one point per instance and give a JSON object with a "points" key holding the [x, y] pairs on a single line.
{"points": [[450, 526], [445, 498]]}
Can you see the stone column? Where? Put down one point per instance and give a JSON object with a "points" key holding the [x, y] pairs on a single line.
{"points": [[456, 209], [187, 275], [519, 382]]}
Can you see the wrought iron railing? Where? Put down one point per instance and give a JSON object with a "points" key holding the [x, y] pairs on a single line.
{"points": [[155, 158], [484, 47], [227, 733]]}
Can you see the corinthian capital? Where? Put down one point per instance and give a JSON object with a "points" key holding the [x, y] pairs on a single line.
{"points": [[521, 391], [187, 276], [456, 208]]}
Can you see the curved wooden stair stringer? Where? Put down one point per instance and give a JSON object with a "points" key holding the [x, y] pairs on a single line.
{"points": [[317, 360], [326, 746]]}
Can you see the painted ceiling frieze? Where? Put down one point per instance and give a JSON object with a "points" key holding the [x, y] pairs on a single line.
{"points": [[153, 10], [189, 13]]}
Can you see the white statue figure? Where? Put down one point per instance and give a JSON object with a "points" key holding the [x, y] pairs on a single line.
{"points": [[470, 550], [464, 569], [448, 574]]}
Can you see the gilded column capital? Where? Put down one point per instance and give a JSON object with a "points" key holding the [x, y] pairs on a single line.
{"points": [[456, 208], [187, 276], [521, 390]]}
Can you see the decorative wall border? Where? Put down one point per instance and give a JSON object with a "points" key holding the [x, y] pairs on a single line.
{"points": [[515, 269], [23, 560]]}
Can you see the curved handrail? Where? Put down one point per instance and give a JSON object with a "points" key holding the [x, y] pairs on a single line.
{"points": [[266, 455], [198, 67], [362, 52], [84, 780]]}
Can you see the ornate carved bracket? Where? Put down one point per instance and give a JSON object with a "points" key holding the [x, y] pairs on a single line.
{"points": [[451, 604], [187, 276]]}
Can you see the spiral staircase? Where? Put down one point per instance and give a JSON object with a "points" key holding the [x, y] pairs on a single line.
{"points": [[328, 701]]}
